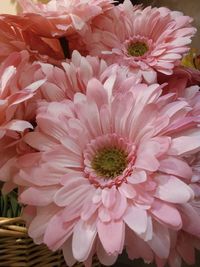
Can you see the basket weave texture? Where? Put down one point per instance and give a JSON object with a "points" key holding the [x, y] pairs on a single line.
{"points": [[18, 250]]}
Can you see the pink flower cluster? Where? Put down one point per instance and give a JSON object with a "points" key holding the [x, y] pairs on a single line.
{"points": [[100, 129]]}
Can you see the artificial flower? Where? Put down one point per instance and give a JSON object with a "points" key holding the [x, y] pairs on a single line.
{"points": [[74, 76], [109, 164], [17, 105], [60, 17], [149, 40], [15, 39]]}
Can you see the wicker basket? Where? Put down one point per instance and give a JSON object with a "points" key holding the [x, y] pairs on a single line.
{"points": [[18, 250]]}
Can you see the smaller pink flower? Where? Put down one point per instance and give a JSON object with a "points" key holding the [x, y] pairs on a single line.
{"points": [[149, 40], [76, 74], [60, 17]]}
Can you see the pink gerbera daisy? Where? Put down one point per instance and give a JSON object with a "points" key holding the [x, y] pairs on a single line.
{"points": [[14, 38], [110, 171], [148, 40], [74, 76], [17, 109], [60, 17]]}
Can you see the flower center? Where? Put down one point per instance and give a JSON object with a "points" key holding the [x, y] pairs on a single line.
{"points": [[137, 49], [109, 162]]}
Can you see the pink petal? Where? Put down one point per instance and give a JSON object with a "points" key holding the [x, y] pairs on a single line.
{"points": [[111, 236], [120, 206], [67, 252], [175, 166], [166, 214], [137, 247], [127, 190], [172, 189], [63, 232], [160, 242], [83, 239], [137, 178], [108, 197], [105, 258], [40, 141], [104, 215], [65, 197], [136, 219], [18, 125], [191, 219], [38, 196], [191, 145]]}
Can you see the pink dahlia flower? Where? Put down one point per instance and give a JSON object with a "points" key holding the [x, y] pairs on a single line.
{"points": [[17, 108], [60, 17], [74, 76], [150, 40], [110, 171]]}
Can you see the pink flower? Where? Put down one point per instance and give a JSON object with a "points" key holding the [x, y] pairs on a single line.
{"points": [[14, 38], [60, 17], [110, 168], [18, 85], [74, 76], [183, 75], [149, 40], [17, 109]]}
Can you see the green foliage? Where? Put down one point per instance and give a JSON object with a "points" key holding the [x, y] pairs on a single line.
{"points": [[9, 206]]}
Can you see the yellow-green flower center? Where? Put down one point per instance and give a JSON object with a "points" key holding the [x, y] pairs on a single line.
{"points": [[109, 162], [137, 49]]}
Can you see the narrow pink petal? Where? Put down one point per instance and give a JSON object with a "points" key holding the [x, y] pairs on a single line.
{"points": [[191, 219], [120, 206], [67, 252], [160, 242], [108, 197]]}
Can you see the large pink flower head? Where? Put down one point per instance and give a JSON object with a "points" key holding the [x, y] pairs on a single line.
{"points": [[61, 17], [150, 39], [109, 172]]}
